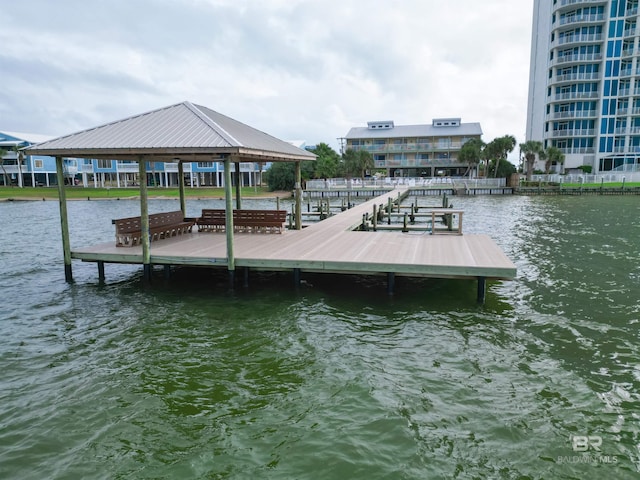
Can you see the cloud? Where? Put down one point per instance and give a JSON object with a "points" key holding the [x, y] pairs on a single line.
{"points": [[296, 69]]}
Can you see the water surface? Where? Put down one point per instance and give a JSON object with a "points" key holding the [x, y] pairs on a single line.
{"points": [[335, 380]]}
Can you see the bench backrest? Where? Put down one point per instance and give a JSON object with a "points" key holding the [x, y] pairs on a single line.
{"points": [[134, 224], [213, 214], [275, 216]]}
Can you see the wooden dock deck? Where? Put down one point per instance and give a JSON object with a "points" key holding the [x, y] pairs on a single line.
{"points": [[329, 246]]}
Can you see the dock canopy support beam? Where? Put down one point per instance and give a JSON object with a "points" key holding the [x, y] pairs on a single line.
{"points": [[238, 186], [482, 289], [183, 205], [64, 222], [228, 196], [144, 220]]}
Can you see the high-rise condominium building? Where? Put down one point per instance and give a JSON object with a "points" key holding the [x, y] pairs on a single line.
{"points": [[584, 86]]}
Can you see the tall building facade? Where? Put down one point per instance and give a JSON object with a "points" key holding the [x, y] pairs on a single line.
{"points": [[584, 85], [415, 150]]}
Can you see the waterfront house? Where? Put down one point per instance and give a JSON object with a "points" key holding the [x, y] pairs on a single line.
{"points": [[414, 150]]}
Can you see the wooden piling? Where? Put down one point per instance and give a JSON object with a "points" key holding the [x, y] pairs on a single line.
{"points": [[64, 222]]}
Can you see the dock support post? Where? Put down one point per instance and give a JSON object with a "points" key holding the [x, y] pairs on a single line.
{"points": [[101, 272], [167, 272], [482, 289], [231, 261], [389, 210], [375, 218], [245, 282], [298, 195], [64, 222], [296, 277], [391, 283], [238, 186], [144, 220]]}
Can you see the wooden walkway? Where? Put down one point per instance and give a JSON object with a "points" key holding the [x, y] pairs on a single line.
{"points": [[329, 246]]}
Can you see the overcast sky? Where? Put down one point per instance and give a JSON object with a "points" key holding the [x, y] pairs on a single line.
{"points": [[296, 69]]}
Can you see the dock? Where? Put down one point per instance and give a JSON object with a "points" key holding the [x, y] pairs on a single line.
{"points": [[333, 245]]}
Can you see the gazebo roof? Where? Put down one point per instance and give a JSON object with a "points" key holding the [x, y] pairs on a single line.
{"points": [[183, 131]]}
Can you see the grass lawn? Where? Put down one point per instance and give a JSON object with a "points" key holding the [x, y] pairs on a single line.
{"points": [[98, 193]]}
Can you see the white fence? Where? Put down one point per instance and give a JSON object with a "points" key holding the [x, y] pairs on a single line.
{"points": [[391, 182], [589, 178]]}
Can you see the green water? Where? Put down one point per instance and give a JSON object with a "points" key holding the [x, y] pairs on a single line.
{"points": [[334, 380]]}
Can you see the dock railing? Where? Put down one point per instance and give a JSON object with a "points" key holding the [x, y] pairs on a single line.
{"points": [[588, 178], [393, 182]]}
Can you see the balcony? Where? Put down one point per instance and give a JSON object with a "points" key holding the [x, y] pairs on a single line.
{"points": [[576, 95], [577, 150], [590, 18], [578, 57], [572, 77], [407, 147], [568, 3], [587, 38], [631, 11], [573, 114], [590, 132], [624, 92], [629, 32]]}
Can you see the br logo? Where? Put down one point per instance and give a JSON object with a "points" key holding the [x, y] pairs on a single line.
{"points": [[584, 444]]}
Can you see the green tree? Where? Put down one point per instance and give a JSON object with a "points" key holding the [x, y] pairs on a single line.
{"points": [[553, 155], [357, 162], [498, 150], [326, 165], [471, 154], [281, 176], [532, 150]]}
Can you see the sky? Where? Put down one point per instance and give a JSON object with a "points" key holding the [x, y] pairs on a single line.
{"points": [[297, 69]]}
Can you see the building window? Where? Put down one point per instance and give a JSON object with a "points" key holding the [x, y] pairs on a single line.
{"points": [[38, 164], [104, 163]]}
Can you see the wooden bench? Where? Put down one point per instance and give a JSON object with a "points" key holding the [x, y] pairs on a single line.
{"points": [[260, 221], [250, 221], [211, 221], [161, 225]]}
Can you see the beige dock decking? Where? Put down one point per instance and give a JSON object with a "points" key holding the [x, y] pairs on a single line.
{"points": [[327, 246]]}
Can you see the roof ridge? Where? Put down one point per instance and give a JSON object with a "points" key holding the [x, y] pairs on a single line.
{"points": [[215, 126]]}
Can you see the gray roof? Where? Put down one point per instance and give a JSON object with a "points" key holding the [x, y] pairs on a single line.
{"points": [[20, 138], [411, 131], [185, 131]]}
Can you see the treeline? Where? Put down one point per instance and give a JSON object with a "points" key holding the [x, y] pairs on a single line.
{"points": [[329, 164]]}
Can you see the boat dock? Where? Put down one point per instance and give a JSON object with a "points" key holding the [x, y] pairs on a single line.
{"points": [[334, 245]]}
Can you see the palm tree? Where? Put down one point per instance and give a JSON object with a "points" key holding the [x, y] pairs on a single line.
{"points": [[3, 152], [553, 155], [471, 154], [498, 149], [532, 150]]}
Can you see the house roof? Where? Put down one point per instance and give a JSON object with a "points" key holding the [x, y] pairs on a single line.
{"points": [[183, 131], [9, 139], [411, 131]]}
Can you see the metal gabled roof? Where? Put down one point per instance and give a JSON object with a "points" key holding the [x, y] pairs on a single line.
{"points": [[410, 131], [186, 131]]}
